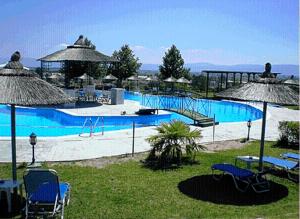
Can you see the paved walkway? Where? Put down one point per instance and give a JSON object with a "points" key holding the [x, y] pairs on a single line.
{"points": [[120, 142]]}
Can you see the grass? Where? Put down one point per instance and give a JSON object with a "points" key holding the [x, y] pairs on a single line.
{"points": [[129, 190], [293, 107]]}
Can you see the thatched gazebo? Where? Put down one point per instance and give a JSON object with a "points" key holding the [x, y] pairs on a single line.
{"points": [[81, 53], [19, 86], [266, 90]]}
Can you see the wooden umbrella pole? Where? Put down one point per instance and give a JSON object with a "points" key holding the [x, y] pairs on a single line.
{"points": [[262, 140], [13, 141]]}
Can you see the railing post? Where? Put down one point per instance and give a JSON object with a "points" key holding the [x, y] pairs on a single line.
{"points": [[91, 127], [102, 125], [214, 128], [133, 135]]}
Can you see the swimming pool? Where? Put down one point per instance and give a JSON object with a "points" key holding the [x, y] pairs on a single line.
{"points": [[51, 122], [224, 111]]}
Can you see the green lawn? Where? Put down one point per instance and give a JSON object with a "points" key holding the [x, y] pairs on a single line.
{"points": [[128, 190], [293, 107]]}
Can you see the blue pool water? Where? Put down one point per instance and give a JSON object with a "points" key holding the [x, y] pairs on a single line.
{"points": [[224, 111], [52, 122]]}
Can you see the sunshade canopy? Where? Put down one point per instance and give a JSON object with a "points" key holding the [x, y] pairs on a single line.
{"points": [[170, 79], [21, 87], [133, 78], [54, 76], [110, 77], [291, 82], [265, 90], [183, 80], [85, 76]]}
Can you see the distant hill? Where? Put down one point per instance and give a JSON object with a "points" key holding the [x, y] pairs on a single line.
{"points": [[195, 67], [198, 67]]}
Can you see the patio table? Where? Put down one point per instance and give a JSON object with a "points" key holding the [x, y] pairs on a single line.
{"points": [[7, 186], [247, 159]]}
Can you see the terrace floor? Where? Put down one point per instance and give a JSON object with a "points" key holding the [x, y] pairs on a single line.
{"points": [[120, 142]]}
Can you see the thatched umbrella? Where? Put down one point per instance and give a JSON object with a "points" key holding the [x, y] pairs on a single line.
{"points": [[266, 90], [54, 76], [84, 77], [134, 78], [292, 81], [183, 80], [4, 64], [171, 80], [110, 77], [19, 86], [152, 80]]}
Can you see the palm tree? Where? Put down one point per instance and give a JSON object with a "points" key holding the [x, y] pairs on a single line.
{"points": [[172, 141]]}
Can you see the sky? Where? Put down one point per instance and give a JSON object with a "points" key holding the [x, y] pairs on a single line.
{"points": [[223, 32]]}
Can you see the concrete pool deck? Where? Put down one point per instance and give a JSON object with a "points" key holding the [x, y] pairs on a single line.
{"points": [[120, 142]]}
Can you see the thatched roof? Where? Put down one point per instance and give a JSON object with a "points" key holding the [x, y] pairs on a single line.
{"points": [[110, 77], [153, 78], [183, 80], [291, 82], [133, 78], [54, 76], [170, 79], [270, 91], [85, 76], [80, 51], [21, 87], [148, 79]]}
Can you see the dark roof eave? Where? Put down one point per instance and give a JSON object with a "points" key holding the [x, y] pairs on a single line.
{"points": [[244, 72]]}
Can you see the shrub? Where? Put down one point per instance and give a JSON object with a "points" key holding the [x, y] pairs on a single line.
{"points": [[289, 133], [174, 142]]}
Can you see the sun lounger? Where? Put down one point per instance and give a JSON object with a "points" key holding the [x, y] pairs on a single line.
{"points": [[291, 155], [242, 178], [283, 164], [45, 195]]}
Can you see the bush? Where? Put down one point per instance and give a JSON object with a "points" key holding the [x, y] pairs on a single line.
{"points": [[174, 143], [289, 133]]}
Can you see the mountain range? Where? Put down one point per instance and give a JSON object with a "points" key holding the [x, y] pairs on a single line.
{"points": [[284, 69]]}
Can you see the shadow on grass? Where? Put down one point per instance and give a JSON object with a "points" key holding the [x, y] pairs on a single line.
{"points": [[17, 205], [205, 188], [283, 174], [156, 164], [286, 145]]}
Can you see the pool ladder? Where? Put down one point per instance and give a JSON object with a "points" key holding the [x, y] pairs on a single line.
{"points": [[88, 122]]}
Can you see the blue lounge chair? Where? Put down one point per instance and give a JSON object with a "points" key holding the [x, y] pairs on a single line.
{"points": [[283, 164], [291, 155], [242, 178], [45, 195]]}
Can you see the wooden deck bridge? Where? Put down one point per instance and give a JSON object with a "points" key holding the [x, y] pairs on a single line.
{"points": [[195, 109]]}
